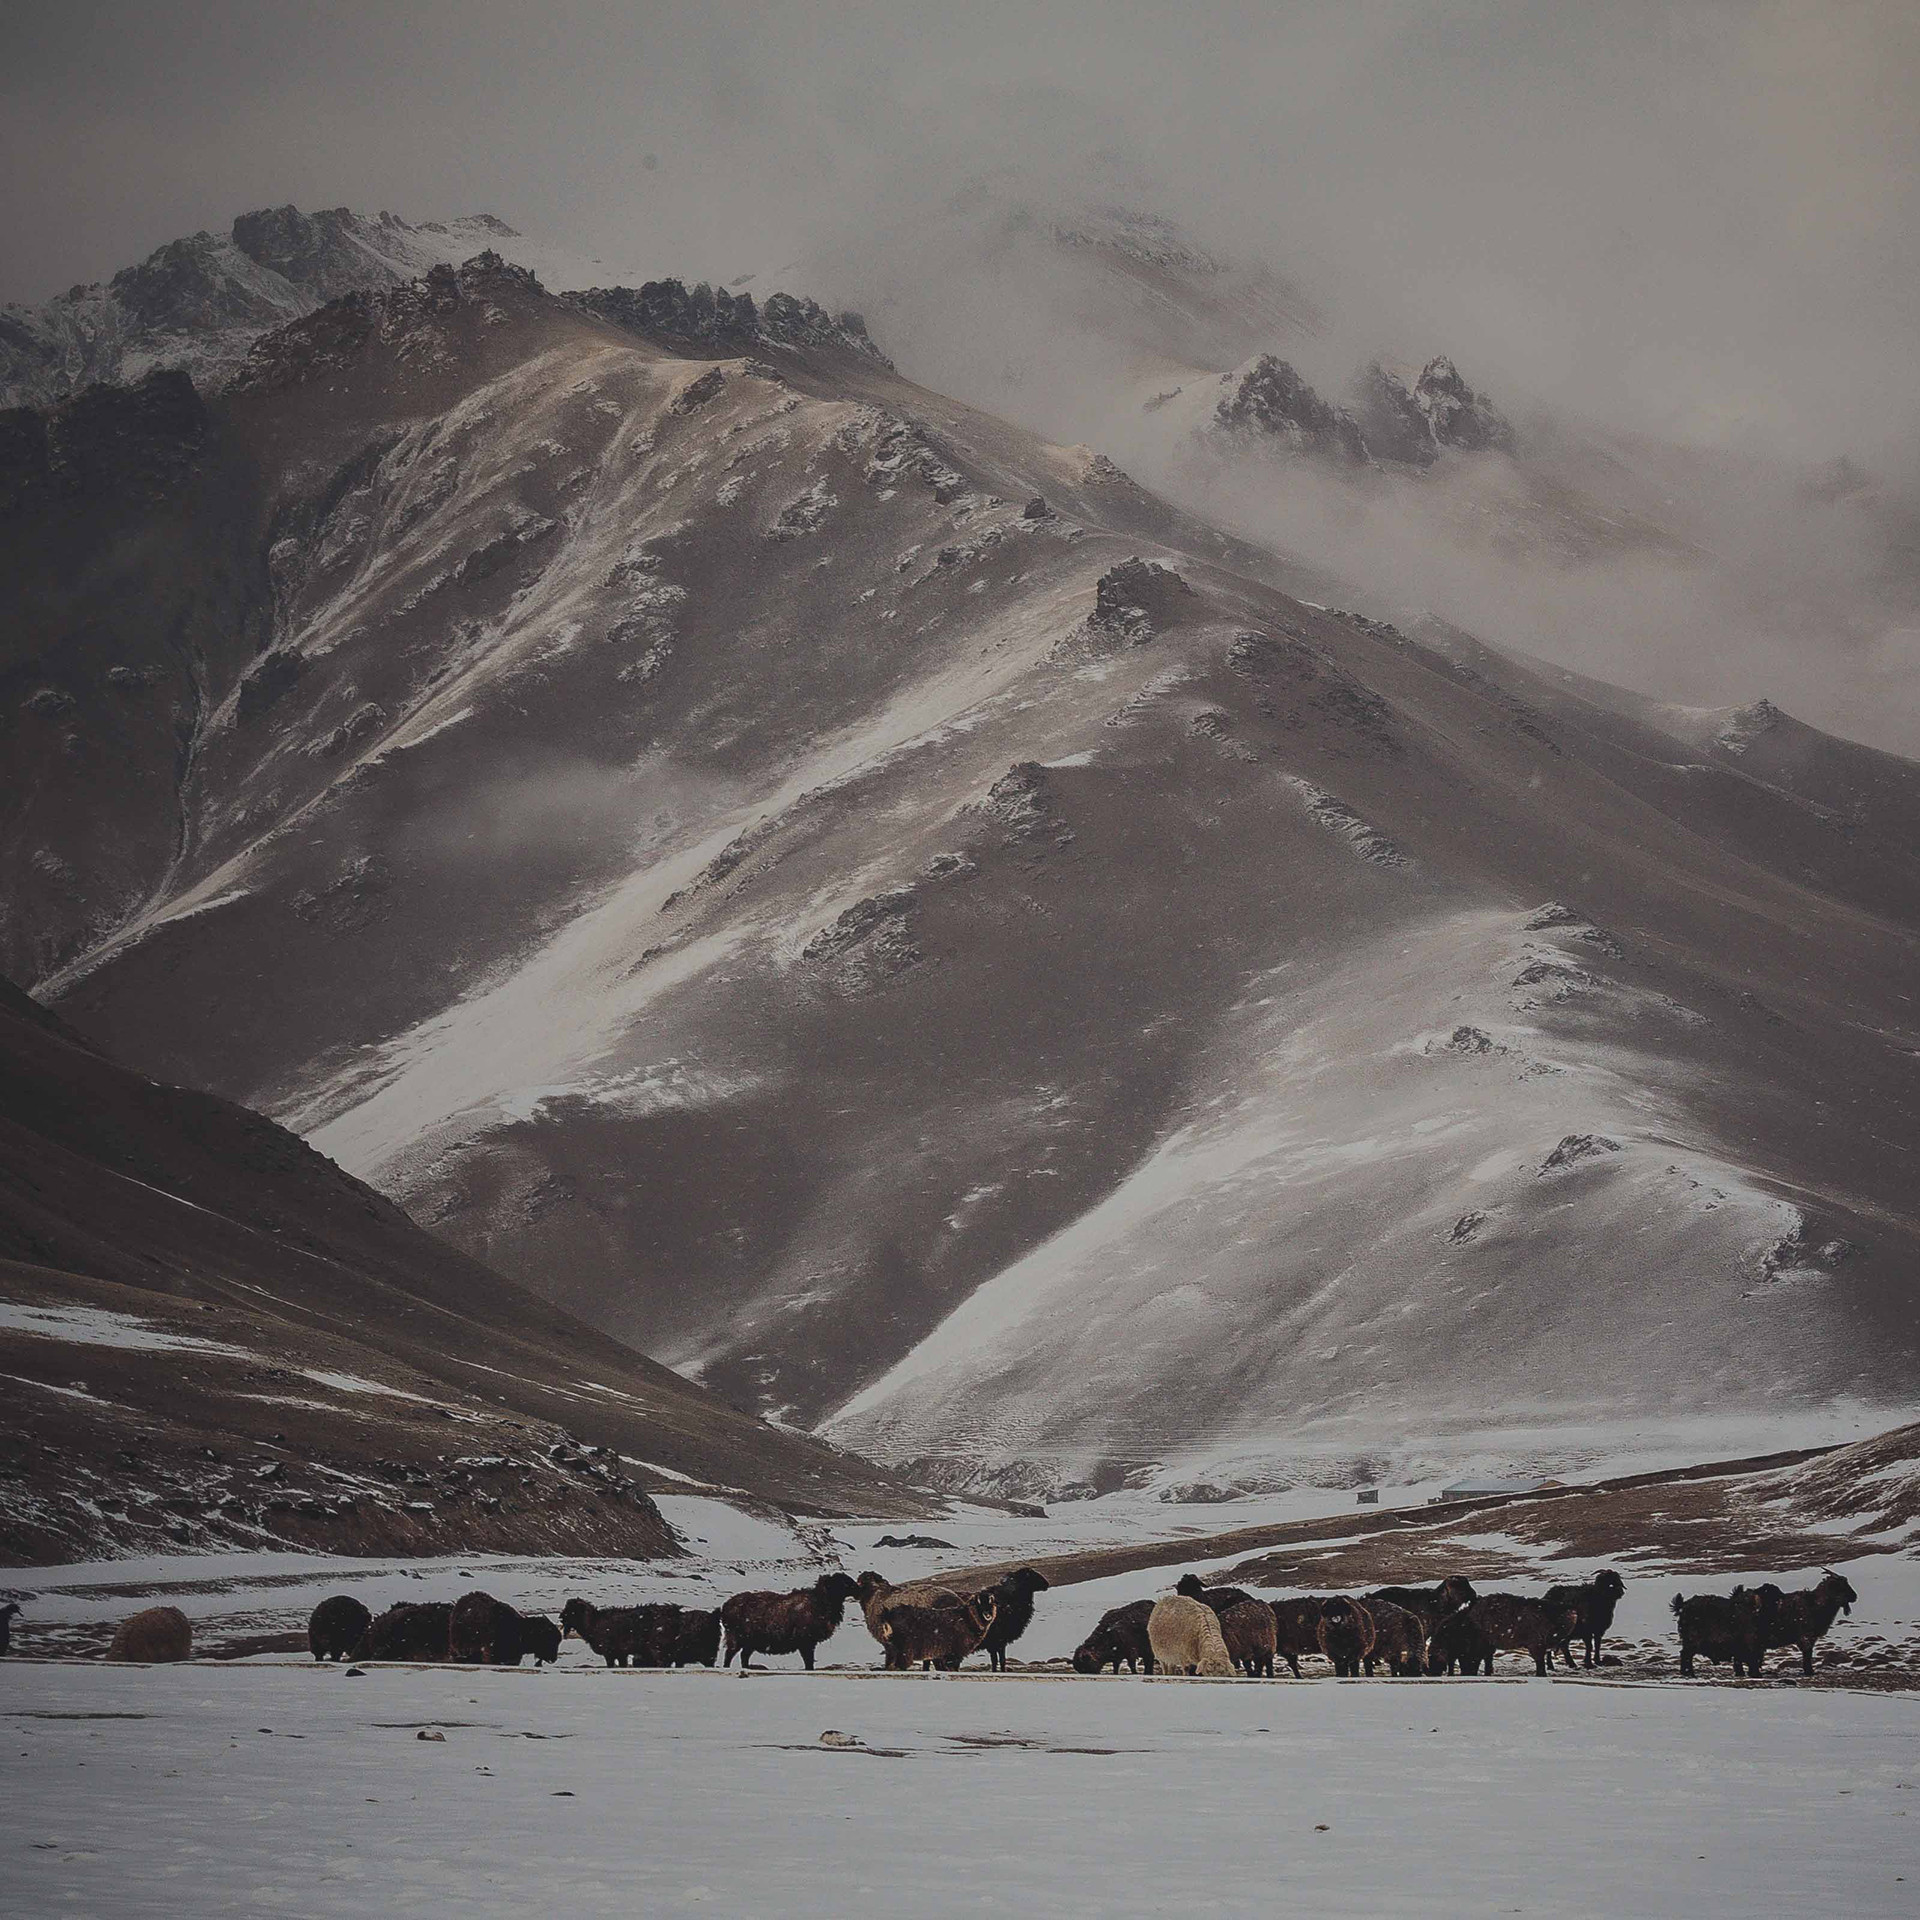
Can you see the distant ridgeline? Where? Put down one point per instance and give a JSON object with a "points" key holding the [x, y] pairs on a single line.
{"points": [[715, 320]]}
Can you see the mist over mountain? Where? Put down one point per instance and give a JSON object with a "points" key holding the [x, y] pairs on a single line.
{"points": [[1084, 770], [878, 910]]}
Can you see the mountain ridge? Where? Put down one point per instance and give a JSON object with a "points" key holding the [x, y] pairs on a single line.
{"points": [[977, 892]]}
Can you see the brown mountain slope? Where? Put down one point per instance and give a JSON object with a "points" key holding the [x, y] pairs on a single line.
{"points": [[698, 835], [269, 1351]]}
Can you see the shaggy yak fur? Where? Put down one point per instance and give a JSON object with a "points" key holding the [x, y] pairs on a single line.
{"points": [[1185, 1636], [878, 1596], [1399, 1638], [1346, 1634], [408, 1632], [1722, 1626], [666, 1635], [1513, 1624], [1592, 1602], [1296, 1626], [1744, 1626], [785, 1622], [938, 1636], [160, 1633], [1430, 1604], [337, 1626], [1013, 1611], [1250, 1633], [1803, 1618], [1218, 1598], [540, 1637], [485, 1632], [1121, 1635], [617, 1634], [656, 1633], [7, 1614], [1456, 1645], [696, 1639]]}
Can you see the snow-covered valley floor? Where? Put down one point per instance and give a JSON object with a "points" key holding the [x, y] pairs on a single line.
{"points": [[285, 1789]]}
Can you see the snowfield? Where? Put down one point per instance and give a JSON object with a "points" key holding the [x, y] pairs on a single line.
{"points": [[259, 1789]]}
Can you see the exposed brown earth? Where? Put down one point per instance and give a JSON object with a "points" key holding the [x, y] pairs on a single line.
{"points": [[210, 1336]]}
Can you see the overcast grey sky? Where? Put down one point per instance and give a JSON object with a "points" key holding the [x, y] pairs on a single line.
{"points": [[1703, 214]]}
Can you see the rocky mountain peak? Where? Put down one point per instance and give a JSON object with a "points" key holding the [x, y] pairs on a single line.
{"points": [[187, 285], [199, 302], [325, 254], [1270, 397], [1409, 417], [715, 320], [400, 316], [1395, 426], [1456, 415]]}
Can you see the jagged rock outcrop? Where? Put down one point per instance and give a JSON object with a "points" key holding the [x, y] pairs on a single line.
{"points": [[1391, 418], [713, 320], [327, 340], [1269, 397], [1134, 600], [1456, 415], [1746, 725], [1410, 417]]}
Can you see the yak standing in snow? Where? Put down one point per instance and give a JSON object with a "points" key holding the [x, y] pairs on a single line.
{"points": [[1804, 1618], [785, 1622], [1592, 1603]]}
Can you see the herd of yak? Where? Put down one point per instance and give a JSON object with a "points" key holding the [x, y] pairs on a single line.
{"points": [[1448, 1628]]}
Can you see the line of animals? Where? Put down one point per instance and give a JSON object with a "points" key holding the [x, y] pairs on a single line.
{"points": [[1447, 1628]]}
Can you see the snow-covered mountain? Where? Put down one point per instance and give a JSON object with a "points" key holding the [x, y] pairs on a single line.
{"points": [[199, 302], [883, 913]]}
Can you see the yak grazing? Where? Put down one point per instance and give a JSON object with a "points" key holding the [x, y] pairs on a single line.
{"points": [[155, 1635], [336, 1627], [1120, 1636], [1186, 1638], [409, 1631], [485, 1632]]}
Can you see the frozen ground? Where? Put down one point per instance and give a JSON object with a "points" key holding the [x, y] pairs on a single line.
{"points": [[264, 1789]]}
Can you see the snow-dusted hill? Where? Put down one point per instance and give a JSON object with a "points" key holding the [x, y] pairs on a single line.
{"points": [[1710, 574], [212, 1339], [882, 913]]}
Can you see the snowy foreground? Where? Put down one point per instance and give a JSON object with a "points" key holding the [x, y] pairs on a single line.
{"points": [[279, 1788]]}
